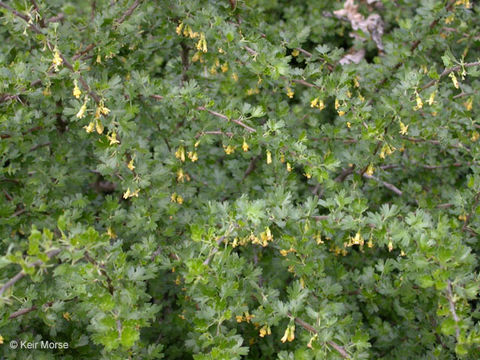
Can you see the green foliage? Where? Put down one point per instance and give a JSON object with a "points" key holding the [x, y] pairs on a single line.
{"points": [[250, 179]]}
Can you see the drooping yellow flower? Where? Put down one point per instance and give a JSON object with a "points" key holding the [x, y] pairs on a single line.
{"points": [[180, 153], [192, 155], [1, 339], [111, 234], [179, 200], [99, 59], [83, 108], [245, 146], [403, 128], [449, 19], [349, 125], [321, 105], [370, 170], [130, 165], [76, 90], [290, 92], [180, 175], [202, 43], [239, 318], [468, 104], [113, 138], [431, 98], [289, 167], [454, 80], [91, 126], [312, 339], [265, 330], [289, 334], [179, 28], [419, 102], [475, 136], [229, 149], [224, 67], [57, 59], [99, 126], [127, 194], [314, 102], [173, 197], [390, 246], [337, 104], [66, 316], [269, 157], [295, 52], [355, 82]]}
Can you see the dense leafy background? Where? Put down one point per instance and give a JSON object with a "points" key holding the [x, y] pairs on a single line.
{"points": [[249, 194]]}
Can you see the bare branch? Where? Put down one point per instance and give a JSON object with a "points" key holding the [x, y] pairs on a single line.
{"points": [[250, 129], [452, 308], [127, 13], [448, 71]]}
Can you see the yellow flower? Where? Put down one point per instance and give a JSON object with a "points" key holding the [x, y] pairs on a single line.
{"points": [[99, 59], [289, 167], [66, 316], [245, 146], [111, 234], [284, 252], [403, 128], [99, 126], [173, 198], [337, 104], [81, 112], [239, 318], [312, 339], [341, 112], [196, 56], [224, 67], [179, 28], [307, 175], [314, 102], [390, 246], [76, 90], [449, 19], [265, 330], [57, 59], [454, 80], [462, 217], [321, 105], [475, 136], [369, 170], [295, 52], [431, 98], [192, 155], [46, 91], [202, 43], [318, 238], [269, 157], [1, 339], [248, 317], [355, 81], [127, 194], [179, 199], [91, 126], [289, 334], [370, 243], [229, 149], [349, 125], [180, 175], [468, 104], [235, 76], [419, 102], [113, 138], [130, 165], [290, 92], [180, 153]]}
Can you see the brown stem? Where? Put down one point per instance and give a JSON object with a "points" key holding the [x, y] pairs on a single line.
{"points": [[340, 349], [446, 72], [127, 13], [22, 274]]}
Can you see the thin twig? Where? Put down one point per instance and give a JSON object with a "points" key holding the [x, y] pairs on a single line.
{"points": [[250, 129], [452, 308], [127, 13], [384, 183], [214, 251], [22, 274], [448, 71], [340, 349], [22, 312]]}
